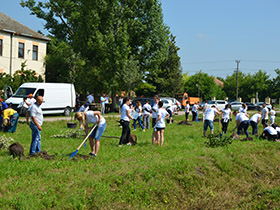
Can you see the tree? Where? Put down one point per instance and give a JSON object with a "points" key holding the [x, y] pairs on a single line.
{"points": [[275, 93]]}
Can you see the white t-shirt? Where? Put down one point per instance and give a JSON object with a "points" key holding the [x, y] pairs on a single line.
{"points": [[22, 104], [210, 114], [272, 112], [194, 108], [241, 109], [277, 129], [147, 107], [187, 108], [31, 101], [270, 130], [92, 118], [36, 111], [139, 110], [172, 108], [241, 117], [255, 118], [83, 109], [161, 122], [264, 111], [90, 98], [124, 109], [155, 110], [226, 113]]}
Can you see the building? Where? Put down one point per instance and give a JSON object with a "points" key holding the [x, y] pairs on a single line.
{"points": [[19, 44]]}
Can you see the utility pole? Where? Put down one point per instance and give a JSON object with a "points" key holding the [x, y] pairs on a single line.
{"points": [[237, 69]]}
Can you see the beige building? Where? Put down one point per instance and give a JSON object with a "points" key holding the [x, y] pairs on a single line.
{"points": [[19, 44]]}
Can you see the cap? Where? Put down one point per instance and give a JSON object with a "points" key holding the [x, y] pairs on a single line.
{"points": [[1, 100], [30, 95]]}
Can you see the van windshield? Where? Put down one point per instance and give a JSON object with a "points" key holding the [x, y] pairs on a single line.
{"points": [[24, 92]]}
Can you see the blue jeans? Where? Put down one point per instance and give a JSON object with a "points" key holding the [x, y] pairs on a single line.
{"points": [[98, 131], [254, 127], [140, 122], [36, 139], [243, 125], [146, 121], [208, 123], [13, 123]]}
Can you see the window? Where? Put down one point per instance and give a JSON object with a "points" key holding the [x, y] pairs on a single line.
{"points": [[1, 46], [35, 53], [40, 92], [21, 50]]}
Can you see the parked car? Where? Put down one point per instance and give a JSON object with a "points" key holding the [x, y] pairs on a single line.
{"points": [[251, 106], [220, 104], [143, 101], [179, 105], [235, 105], [166, 102], [259, 106]]}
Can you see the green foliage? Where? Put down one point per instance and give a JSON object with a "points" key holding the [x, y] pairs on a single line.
{"points": [[5, 142], [145, 89], [217, 141]]}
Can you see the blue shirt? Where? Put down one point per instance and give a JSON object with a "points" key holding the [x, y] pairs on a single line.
{"points": [[4, 106]]}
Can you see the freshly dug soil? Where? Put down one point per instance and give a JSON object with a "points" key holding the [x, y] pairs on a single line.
{"points": [[78, 157], [42, 154], [184, 123]]}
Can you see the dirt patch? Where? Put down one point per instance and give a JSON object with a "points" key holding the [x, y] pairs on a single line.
{"points": [[78, 157], [42, 154], [247, 139], [184, 123]]}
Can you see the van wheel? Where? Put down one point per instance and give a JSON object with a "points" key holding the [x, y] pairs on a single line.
{"points": [[67, 111]]}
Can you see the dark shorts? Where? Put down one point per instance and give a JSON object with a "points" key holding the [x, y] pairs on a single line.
{"points": [[160, 129], [170, 112], [154, 122], [264, 121]]}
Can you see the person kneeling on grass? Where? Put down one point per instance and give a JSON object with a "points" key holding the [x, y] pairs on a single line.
{"points": [[209, 117], [269, 133], [242, 122], [96, 118], [277, 128], [160, 123]]}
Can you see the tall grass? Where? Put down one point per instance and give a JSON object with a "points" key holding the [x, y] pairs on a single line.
{"points": [[182, 174]]}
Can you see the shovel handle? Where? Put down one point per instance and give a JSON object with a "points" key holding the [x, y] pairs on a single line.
{"points": [[86, 137]]}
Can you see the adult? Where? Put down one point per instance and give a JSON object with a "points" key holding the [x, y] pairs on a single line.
{"points": [[226, 117], [243, 108], [269, 133], [194, 112], [147, 111], [242, 122], [209, 118], [95, 118], [187, 111], [125, 117], [204, 110], [10, 119], [254, 121], [138, 110], [120, 103], [3, 106], [277, 128], [29, 102], [171, 110], [272, 115], [90, 98], [36, 125], [107, 104], [102, 101], [160, 123], [84, 107], [23, 107], [264, 115], [154, 117]]}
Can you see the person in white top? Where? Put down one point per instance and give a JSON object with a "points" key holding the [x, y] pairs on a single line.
{"points": [[154, 117], [254, 121], [90, 98], [36, 125], [269, 133], [147, 112], [272, 115], [226, 117], [95, 118], [264, 115], [277, 128], [209, 117], [195, 112], [138, 110], [29, 102], [23, 107], [242, 122], [170, 111], [204, 110], [187, 111], [160, 123], [84, 107], [125, 117], [243, 108]]}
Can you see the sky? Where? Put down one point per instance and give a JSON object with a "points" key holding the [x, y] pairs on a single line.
{"points": [[211, 34]]}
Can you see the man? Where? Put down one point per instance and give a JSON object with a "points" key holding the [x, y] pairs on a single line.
{"points": [[10, 119], [264, 115], [171, 110], [3, 106], [103, 101], [147, 111], [254, 121], [187, 111], [242, 122], [194, 112], [36, 125], [90, 98], [269, 133], [209, 118], [29, 102]]}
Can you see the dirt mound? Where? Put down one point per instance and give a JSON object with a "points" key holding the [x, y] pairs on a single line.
{"points": [[16, 149], [42, 154], [234, 136], [78, 157], [184, 123]]}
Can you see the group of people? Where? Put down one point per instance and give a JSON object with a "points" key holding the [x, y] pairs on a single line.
{"points": [[242, 121]]}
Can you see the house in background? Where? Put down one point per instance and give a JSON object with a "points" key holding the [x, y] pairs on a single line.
{"points": [[19, 44]]}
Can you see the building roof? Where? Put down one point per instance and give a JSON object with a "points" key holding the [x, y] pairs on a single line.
{"points": [[7, 24], [218, 82]]}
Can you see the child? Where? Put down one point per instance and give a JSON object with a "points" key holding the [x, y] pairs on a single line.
{"points": [[160, 123]]}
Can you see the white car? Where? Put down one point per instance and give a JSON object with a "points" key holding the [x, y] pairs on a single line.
{"points": [[166, 102], [220, 104], [235, 105]]}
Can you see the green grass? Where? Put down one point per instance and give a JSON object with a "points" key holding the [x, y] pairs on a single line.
{"points": [[182, 174]]}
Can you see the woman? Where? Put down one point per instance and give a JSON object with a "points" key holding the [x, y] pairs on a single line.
{"points": [[147, 111], [187, 111], [125, 117], [138, 109], [160, 123], [272, 115], [243, 109], [226, 116], [154, 117], [96, 118]]}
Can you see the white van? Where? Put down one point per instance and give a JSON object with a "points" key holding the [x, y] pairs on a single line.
{"points": [[58, 97]]}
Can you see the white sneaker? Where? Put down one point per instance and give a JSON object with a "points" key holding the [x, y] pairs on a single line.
{"points": [[120, 145], [129, 144]]}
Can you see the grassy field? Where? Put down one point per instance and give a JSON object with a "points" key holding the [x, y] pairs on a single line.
{"points": [[182, 174]]}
